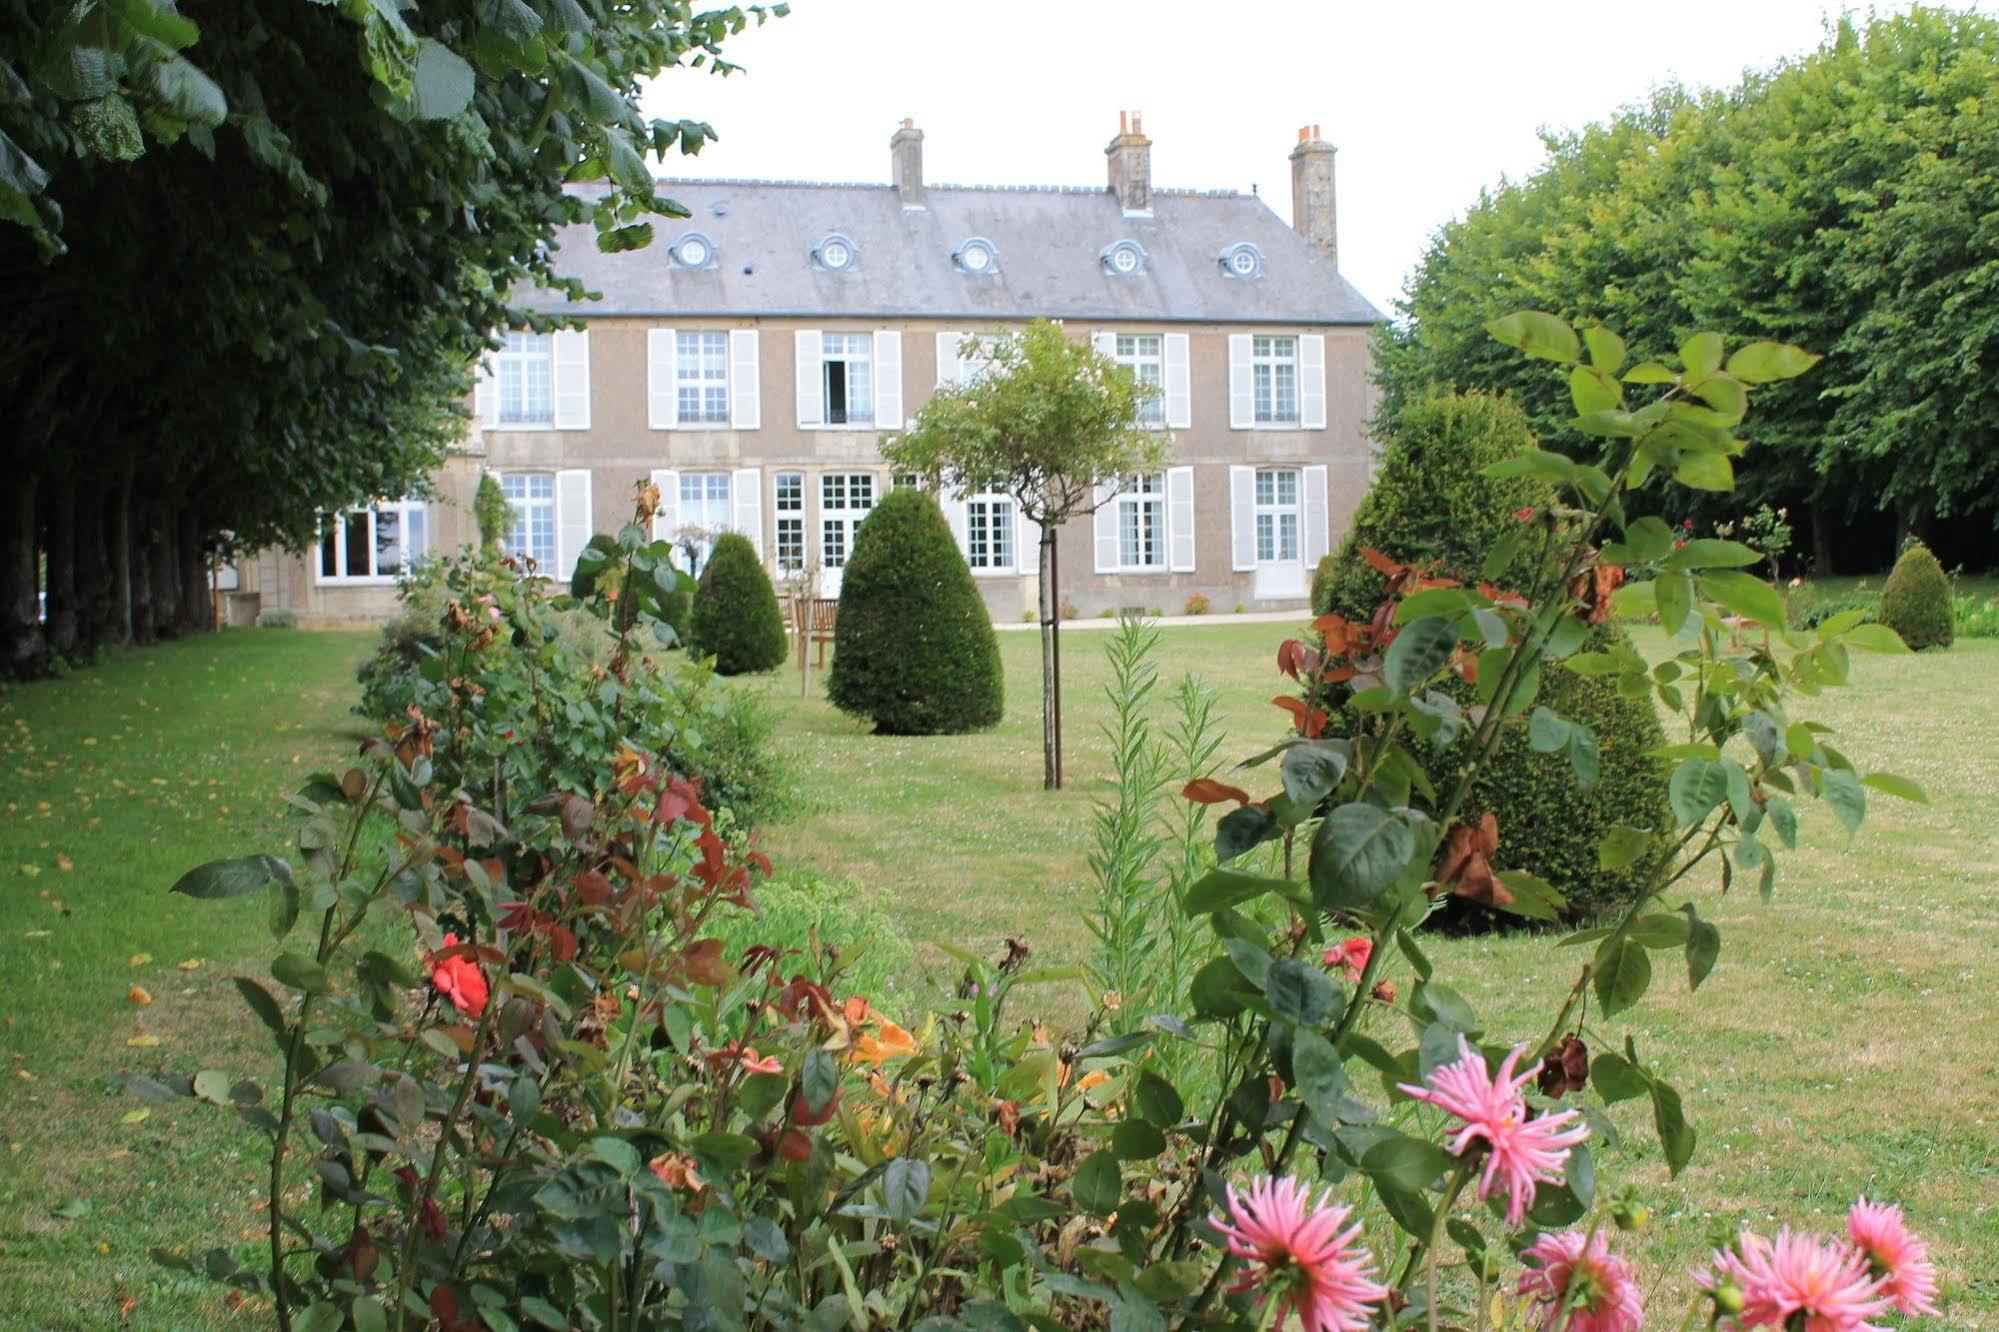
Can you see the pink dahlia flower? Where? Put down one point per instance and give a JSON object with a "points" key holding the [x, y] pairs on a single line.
{"points": [[1579, 1285], [1522, 1152], [1800, 1284], [1900, 1260], [1300, 1248]]}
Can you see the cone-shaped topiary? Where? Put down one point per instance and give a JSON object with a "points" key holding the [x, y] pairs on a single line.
{"points": [[1916, 600], [736, 620], [913, 648]]}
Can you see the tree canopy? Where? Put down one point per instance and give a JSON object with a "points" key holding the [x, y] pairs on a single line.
{"points": [[1840, 202]]}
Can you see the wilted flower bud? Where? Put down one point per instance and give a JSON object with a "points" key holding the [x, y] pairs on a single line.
{"points": [[1630, 1214], [1384, 990], [1727, 1297]]}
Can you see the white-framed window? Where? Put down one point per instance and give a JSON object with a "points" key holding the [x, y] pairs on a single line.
{"points": [[790, 522], [1144, 355], [844, 499], [704, 513], [524, 374], [846, 363], [1277, 514], [1141, 522], [989, 533], [975, 356], [374, 545], [1274, 379], [532, 496], [701, 378]]}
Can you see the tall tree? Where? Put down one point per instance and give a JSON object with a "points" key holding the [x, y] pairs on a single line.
{"points": [[1047, 419]]}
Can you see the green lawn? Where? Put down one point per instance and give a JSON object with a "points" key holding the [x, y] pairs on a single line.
{"points": [[1836, 1049]]}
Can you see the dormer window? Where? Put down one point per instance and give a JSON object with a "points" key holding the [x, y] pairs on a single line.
{"points": [[1242, 260], [693, 250], [1124, 259], [976, 257], [835, 254]]}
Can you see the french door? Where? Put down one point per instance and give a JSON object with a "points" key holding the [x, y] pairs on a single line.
{"points": [[844, 499]]}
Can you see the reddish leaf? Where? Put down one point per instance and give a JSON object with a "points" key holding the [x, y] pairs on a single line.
{"points": [[1208, 791], [1466, 869], [1310, 722], [794, 1146], [703, 960]]}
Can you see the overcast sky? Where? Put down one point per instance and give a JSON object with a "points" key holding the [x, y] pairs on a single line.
{"points": [[1427, 102]]}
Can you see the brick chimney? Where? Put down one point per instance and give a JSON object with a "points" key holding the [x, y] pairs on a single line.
{"points": [[906, 151], [1314, 211], [1130, 155]]}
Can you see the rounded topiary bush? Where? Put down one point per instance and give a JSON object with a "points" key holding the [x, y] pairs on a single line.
{"points": [[913, 647], [736, 620], [1916, 600]]}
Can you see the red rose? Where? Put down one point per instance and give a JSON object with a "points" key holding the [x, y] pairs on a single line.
{"points": [[459, 979]]}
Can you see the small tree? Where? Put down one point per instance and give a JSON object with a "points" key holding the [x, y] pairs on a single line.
{"points": [[1916, 600], [490, 508], [1047, 422], [736, 620], [913, 648]]}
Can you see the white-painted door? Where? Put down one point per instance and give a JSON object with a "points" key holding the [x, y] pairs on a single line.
{"points": [[844, 499], [1279, 533]]}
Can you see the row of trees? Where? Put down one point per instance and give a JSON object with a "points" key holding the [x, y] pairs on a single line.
{"points": [[1840, 202], [250, 252]]}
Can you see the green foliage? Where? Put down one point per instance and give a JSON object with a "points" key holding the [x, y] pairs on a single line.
{"points": [[491, 511], [827, 926], [1431, 504], [736, 619], [1976, 617], [913, 648], [605, 575], [1916, 600]]}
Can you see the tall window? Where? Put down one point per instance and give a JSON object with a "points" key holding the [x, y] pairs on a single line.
{"points": [[790, 522], [844, 499], [1274, 367], [371, 545], [704, 515], [1141, 354], [524, 372], [975, 356], [532, 495], [1141, 522], [1276, 514], [701, 377], [989, 527], [844, 364]]}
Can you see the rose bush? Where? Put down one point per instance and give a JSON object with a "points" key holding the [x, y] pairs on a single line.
{"points": [[585, 1109]]}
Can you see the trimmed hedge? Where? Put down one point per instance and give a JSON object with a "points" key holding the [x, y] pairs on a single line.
{"points": [[1916, 600], [913, 648], [736, 620]]}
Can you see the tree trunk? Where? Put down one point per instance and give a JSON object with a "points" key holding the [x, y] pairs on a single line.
{"points": [[23, 652], [1821, 536], [62, 623], [1051, 668], [140, 548], [96, 614], [124, 615], [197, 595], [168, 614]]}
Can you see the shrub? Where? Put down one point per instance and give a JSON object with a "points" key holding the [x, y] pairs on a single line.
{"points": [[491, 511], [1197, 604], [1809, 606], [277, 619], [913, 649], [1431, 503], [823, 924], [1916, 599], [1976, 617], [735, 619]]}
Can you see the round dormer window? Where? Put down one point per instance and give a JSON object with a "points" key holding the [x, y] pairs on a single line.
{"points": [[835, 254], [977, 257], [1125, 259], [693, 250], [1242, 260]]}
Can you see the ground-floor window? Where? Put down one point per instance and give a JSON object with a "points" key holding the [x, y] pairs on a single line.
{"points": [[532, 497], [1141, 522], [790, 523], [989, 533], [377, 544], [1276, 514], [704, 514], [844, 499]]}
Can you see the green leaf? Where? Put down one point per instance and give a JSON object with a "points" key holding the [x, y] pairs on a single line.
{"points": [[1645, 540], [1221, 888], [191, 94], [1546, 733], [1300, 993], [1713, 553], [1623, 974], [1696, 787], [1419, 651], [1847, 797], [1746, 595], [1705, 471], [1650, 372], [158, 21], [628, 166], [1538, 334], [1617, 1078], [1534, 898], [1357, 853], [905, 1187], [1622, 846], [1136, 1140], [443, 82], [1703, 947], [1311, 770], [1242, 829], [1675, 1134], [1874, 638], [1701, 355], [1606, 349], [1767, 362], [819, 1080], [1319, 1077], [1900, 787], [233, 878], [1402, 1162], [1675, 593], [1098, 1187], [299, 972], [1157, 1100], [1538, 464], [264, 1006], [1592, 391]]}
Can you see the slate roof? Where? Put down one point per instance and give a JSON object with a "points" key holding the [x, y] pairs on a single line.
{"points": [[1049, 242]]}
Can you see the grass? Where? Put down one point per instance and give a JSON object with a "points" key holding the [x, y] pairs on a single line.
{"points": [[113, 781], [1837, 1049]]}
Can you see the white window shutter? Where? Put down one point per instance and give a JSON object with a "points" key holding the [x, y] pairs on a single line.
{"points": [[572, 519], [1180, 519], [953, 505], [1242, 517], [746, 494], [1318, 528], [486, 393], [950, 366], [1105, 525], [1105, 342], [572, 379], [1179, 384], [662, 385], [888, 380], [1312, 381], [666, 519], [745, 381], [811, 380], [1026, 542], [1242, 385]]}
